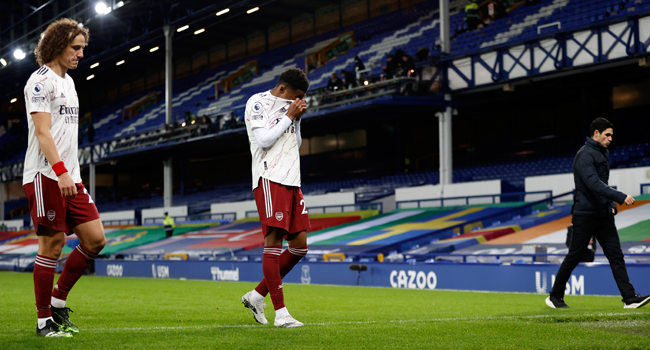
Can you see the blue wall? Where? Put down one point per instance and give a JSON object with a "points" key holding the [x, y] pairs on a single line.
{"points": [[588, 280]]}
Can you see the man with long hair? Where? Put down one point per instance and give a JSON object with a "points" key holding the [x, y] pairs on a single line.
{"points": [[58, 202]]}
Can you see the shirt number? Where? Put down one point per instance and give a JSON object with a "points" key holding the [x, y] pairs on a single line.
{"points": [[304, 210]]}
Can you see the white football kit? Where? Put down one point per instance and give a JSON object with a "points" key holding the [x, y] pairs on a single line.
{"points": [[48, 92], [279, 160]]}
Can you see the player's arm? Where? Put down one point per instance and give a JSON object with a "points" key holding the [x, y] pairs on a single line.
{"points": [[42, 125], [267, 137], [587, 171]]}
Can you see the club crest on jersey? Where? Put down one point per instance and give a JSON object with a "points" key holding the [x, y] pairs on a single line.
{"points": [[257, 107], [51, 214], [279, 216], [38, 88]]}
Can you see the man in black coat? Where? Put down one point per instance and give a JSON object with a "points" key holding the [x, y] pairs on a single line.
{"points": [[593, 215]]}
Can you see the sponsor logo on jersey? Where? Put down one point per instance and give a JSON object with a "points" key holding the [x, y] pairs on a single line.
{"points": [[51, 214], [37, 99], [279, 216], [283, 110], [71, 114], [62, 95], [258, 117], [38, 89]]}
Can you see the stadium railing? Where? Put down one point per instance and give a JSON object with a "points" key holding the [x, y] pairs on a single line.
{"points": [[327, 209], [519, 196], [123, 222], [193, 219]]}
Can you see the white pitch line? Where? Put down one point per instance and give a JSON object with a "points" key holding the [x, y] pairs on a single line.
{"points": [[449, 319]]}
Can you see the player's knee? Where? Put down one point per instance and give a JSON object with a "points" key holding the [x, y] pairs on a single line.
{"points": [[53, 247], [99, 244], [95, 244]]}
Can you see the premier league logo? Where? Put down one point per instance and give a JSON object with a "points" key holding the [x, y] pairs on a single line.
{"points": [[37, 89], [51, 214], [257, 107]]}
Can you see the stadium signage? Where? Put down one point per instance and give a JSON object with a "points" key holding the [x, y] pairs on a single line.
{"points": [[114, 270], [160, 271], [224, 275], [575, 285], [413, 279]]}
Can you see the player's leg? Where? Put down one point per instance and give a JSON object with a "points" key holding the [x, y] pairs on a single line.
{"points": [[583, 229], [288, 259], [47, 212], [91, 242], [50, 244], [607, 235], [83, 219]]}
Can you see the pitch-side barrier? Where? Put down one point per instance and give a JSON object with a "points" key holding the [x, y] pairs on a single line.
{"points": [[587, 279]]}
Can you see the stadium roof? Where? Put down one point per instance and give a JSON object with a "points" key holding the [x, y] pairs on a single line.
{"points": [[134, 23]]}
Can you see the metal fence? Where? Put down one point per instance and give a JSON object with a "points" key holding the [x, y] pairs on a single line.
{"points": [[333, 209], [467, 200], [194, 219]]}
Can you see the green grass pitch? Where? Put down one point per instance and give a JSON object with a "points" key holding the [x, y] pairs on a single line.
{"points": [[130, 313]]}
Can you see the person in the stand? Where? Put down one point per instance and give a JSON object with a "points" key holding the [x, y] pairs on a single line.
{"points": [[206, 125], [422, 54], [335, 83], [358, 64], [406, 64], [389, 68], [349, 80], [472, 15], [169, 225]]}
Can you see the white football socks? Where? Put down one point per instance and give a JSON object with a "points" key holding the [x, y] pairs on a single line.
{"points": [[257, 297], [281, 313], [41, 322], [57, 303]]}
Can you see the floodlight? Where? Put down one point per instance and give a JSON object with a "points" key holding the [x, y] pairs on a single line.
{"points": [[223, 12], [19, 54], [254, 9]]}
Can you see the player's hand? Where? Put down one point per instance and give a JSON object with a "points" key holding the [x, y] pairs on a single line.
{"points": [[629, 200], [67, 186], [297, 109]]}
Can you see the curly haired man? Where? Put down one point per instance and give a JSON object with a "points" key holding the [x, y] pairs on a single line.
{"points": [[58, 201]]}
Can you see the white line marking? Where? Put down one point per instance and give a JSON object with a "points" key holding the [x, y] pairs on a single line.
{"points": [[448, 319]]}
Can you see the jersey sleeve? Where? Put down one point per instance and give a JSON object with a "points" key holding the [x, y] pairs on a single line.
{"points": [[256, 115], [39, 96]]}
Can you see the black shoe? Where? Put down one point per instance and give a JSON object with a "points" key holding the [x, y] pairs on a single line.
{"points": [[61, 318], [556, 303], [636, 301], [51, 330]]}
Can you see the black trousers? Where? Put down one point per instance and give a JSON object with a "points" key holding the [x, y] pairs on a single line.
{"points": [[604, 230], [169, 231]]}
